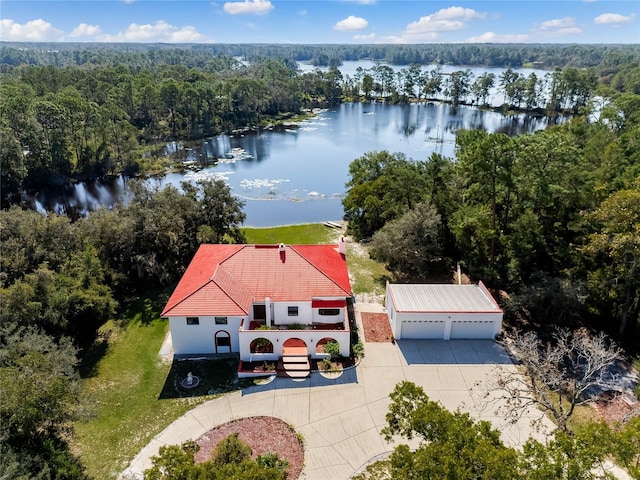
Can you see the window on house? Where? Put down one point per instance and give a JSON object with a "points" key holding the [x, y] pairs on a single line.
{"points": [[329, 312], [292, 311], [223, 341], [193, 321], [221, 320]]}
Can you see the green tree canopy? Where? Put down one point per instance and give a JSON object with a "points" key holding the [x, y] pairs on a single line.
{"points": [[412, 243]]}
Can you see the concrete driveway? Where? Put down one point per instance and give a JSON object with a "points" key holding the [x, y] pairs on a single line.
{"points": [[341, 418]]}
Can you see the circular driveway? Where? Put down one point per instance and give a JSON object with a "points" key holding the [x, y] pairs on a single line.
{"points": [[341, 418]]}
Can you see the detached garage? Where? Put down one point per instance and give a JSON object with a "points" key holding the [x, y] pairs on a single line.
{"points": [[442, 311]]}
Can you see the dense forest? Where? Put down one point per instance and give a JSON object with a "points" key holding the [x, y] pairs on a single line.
{"points": [[551, 219], [544, 56], [71, 114]]}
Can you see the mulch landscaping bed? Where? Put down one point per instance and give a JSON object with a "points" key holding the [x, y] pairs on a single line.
{"points": [[612, 408], [376, 327], [262, 434]]}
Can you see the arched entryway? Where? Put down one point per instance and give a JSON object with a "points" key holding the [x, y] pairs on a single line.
{"points": [[295, 358], [222, 339], [294, 346], [261, 345]]}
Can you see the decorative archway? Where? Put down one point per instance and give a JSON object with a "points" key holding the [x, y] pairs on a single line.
{"points": [[222, 340], [261, 345], [294, 346], [322, 342]]}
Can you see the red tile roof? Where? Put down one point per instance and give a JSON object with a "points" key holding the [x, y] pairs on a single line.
{"points": [[226, 279]]}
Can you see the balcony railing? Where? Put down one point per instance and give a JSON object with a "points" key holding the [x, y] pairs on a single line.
{"points": [[256, 325]]}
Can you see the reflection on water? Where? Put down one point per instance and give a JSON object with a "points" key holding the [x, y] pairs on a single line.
{"points": [[297, 173], [79, 199]]}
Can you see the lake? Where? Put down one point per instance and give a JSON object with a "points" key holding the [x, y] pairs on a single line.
{"points": [[297, 174]]}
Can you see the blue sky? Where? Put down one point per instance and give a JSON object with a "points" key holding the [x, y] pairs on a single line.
{"points": [[321, 21]]}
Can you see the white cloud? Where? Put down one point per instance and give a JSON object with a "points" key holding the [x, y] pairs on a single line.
{"points": [[32, 31], [161, 31], [491, 37], [558, 27], [128, 1], [444, 20], [365, 38], [558, 23], [614, 19], [256, 7], [362, 2], [303, 13], [85, 30], [351, 23], [457, 13]]}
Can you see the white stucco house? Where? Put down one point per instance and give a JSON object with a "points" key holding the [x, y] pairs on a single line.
{"points": [[442, 311], [262, 301]]}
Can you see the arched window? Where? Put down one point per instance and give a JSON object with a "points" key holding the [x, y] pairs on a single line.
{"points": [[222, 340], [261, 345]]}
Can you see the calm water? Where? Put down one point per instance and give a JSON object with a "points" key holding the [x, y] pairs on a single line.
{"points": [[298, 174]]}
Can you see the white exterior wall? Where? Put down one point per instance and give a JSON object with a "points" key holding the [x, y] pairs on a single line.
{"points": [[281, 315], [196, 339], [278, 337], [391, 313]]}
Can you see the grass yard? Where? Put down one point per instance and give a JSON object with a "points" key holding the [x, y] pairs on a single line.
{"points": [[367, 275], [121, 402], [312, 233]]}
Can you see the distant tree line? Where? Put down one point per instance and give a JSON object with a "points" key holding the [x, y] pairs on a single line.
{"points": [[545, 56]]}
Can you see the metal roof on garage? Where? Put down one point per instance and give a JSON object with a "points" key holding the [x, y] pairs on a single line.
{"points": [[442, 298]]}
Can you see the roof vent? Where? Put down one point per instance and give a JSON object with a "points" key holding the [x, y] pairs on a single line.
{"points": [[283, 252], [281, 247]]}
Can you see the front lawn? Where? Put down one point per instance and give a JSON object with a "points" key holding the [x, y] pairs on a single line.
{"points": [[122, 405], [312, 233]]}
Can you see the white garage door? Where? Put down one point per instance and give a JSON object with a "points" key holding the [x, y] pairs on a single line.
{"points": [[422, 329], [471, 329]]}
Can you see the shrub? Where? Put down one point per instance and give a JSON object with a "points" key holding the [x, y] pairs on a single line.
{"points": [[231, 450], [333, 350], [268, 366], [272, 460], [326, 364], [358, 349]]}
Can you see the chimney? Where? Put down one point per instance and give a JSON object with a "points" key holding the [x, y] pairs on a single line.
{"points": [[342, 246], [282, 251]]}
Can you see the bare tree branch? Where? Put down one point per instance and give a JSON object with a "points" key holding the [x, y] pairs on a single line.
{"points": [[561, 374]]}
